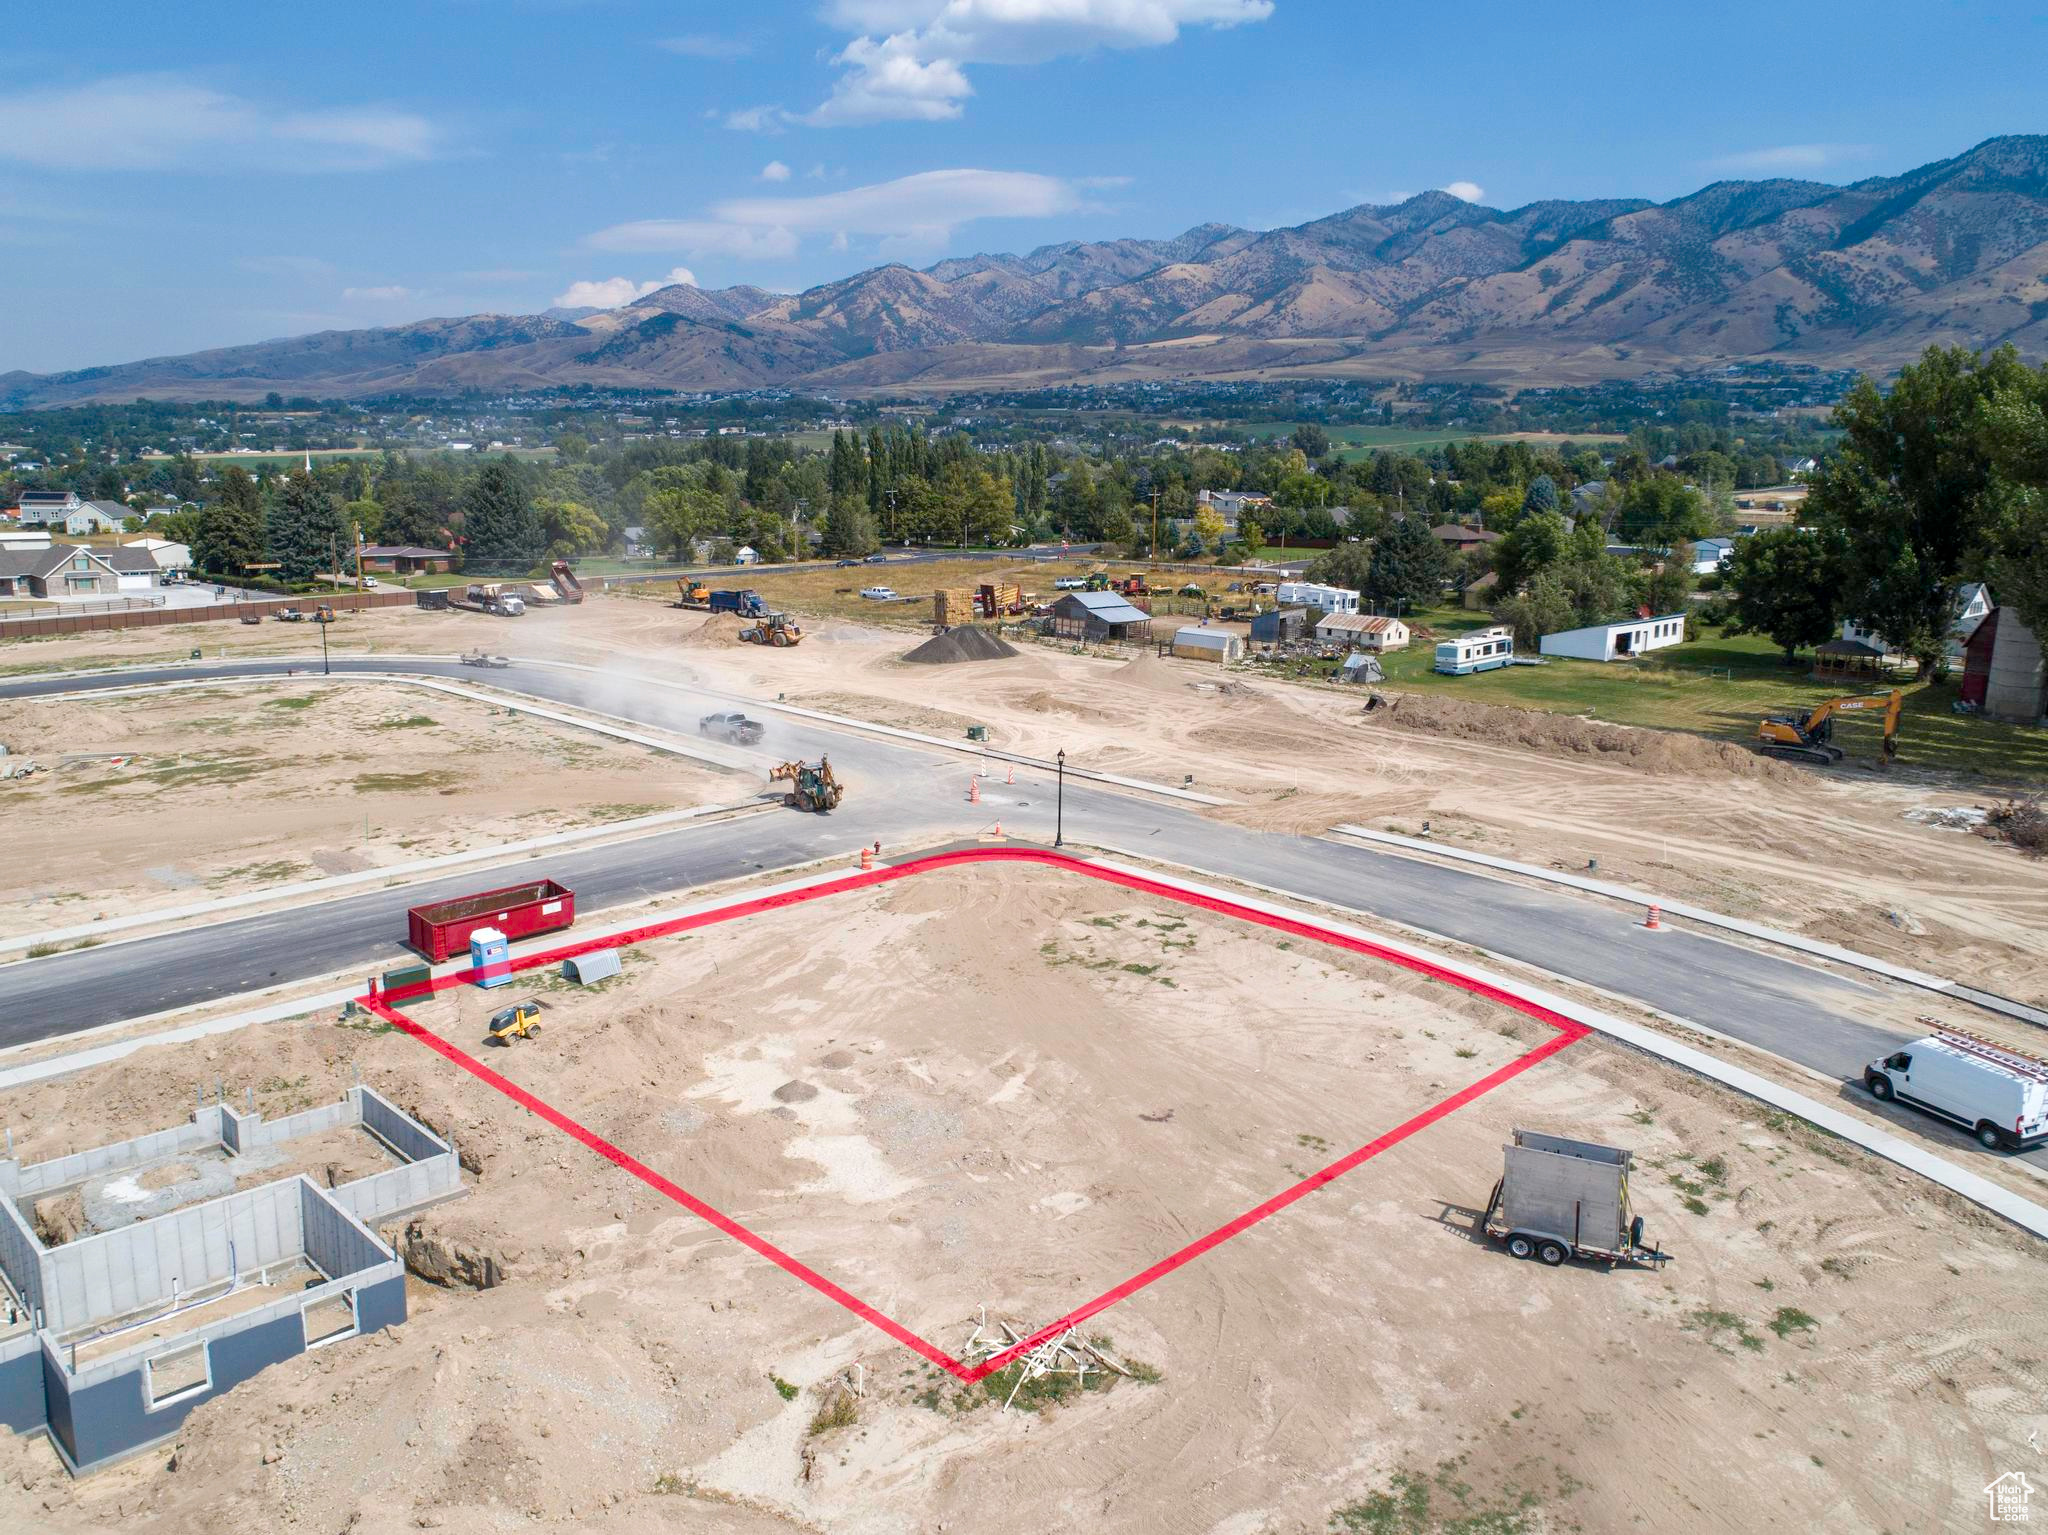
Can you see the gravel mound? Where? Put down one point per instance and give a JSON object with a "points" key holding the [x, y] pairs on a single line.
{"points": [[963, 644]]}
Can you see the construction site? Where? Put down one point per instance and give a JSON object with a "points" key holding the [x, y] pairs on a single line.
{"points": [[766, 1068]]}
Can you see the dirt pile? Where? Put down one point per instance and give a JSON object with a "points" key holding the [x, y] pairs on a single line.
{"points": [[962, 644], [1562, 735], [717, 629]]}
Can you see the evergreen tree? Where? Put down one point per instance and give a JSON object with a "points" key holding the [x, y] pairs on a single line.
{"points": [[849, 533], [307, 531], [230, 536], [1410, 563], [1541, 496], [499, 527]]}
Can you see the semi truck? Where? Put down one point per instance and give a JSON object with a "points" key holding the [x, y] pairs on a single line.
{"points": [[1558, 1198], [492, 597], [1998, 1095]]}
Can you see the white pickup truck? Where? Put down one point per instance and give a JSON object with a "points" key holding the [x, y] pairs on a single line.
{"points": [[1998, 1095]]}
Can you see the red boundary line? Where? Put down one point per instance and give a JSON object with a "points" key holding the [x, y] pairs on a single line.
{"points": [[1567, 1033]]}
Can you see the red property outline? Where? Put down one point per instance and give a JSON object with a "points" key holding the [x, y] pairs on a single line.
{"points": [[1567, 1032]]}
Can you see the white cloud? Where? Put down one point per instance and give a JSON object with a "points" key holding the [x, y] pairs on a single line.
{"points": [[705, 45], [757, 119], [775, 170], [1466, 191], [611, 292], [150, 122], [908, 62], [389, 293], [1792, 157], [914, 212]]}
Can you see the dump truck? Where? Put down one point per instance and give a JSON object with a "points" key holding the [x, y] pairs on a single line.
{"points": [[747, 603], [567, 587], [810, 788], [1558, 1198], [777, 629]]}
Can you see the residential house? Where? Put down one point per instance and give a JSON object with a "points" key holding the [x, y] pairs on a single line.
{"points": [[405, 559], [168, 554], [62, 570], [1233, 504], [1710, 554], [1363, 631], [41, 508], [1975, 607], [1458, 538], [97, 517]]}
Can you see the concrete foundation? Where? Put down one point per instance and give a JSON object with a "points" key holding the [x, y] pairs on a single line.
{"points": [[192, 1286]]}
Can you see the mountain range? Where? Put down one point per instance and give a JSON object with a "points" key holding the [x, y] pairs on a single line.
{"points": [[1555, 292]]}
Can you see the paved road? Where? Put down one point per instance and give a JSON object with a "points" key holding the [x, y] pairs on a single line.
{"points": [[900, 791]]}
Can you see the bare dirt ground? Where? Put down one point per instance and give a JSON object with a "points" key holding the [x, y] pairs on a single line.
{"points": [[1832, 857], [1014, 1088], [221, 790]]}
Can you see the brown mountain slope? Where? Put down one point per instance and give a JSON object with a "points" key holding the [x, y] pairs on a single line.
{"points": [[1864, 275]]}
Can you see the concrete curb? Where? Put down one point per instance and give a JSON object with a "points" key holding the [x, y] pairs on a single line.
{"points": [[1701, 914], [1978, 1190]]}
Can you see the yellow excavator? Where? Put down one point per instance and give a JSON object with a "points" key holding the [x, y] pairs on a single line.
{"points": [[810, 788], [1808, 735]]}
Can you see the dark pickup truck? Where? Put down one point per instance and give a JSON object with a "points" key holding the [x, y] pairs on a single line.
{"points": [[733, 727]]}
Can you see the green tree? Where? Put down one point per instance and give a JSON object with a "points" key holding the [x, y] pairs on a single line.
{"points": [[677, 517], [1347, 565], [231, 530], [1410, 563], [1313, 441], [1208, 530], [1913, 493], [1660, 511], [1788, 585], [850, 532], [1536, 544], [499, 528], [1540, 497], [306, 532], [2014, 424]]}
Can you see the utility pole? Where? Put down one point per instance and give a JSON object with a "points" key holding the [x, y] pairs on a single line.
{"points": [[1155, 525], [1059, 823], [358, 529]]}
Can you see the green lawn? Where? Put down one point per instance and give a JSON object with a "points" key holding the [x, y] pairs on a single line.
{"points": [[1721, 685]]}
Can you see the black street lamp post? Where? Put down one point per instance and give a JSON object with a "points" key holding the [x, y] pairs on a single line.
{"points": [[1059, 823], [323, 649]]}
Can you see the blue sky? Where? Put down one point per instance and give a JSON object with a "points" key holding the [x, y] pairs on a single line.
{"points": [[169, 183]]}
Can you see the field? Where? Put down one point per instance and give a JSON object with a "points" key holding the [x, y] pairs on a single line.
{"points": [[1355, 442], [222, 790], [995, 1091]]}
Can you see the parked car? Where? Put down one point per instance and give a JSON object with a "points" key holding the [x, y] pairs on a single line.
{"points": [[1070, 584], [845, 564], [879, 593], [878, 558], [1998, 1095], [731, 726]]}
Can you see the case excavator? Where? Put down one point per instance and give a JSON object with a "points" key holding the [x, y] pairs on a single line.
{"points": [[1808, 736]]}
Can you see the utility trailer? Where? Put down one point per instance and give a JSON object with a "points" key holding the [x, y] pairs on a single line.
{"points": [[1558, 1198]]}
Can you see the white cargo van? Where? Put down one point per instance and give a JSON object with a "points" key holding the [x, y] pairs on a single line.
{"points": [[1998, 1095]]}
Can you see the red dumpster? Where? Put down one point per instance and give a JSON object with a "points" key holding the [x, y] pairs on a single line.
{"points": [[442, 928]]}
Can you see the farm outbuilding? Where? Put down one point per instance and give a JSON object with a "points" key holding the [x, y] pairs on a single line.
{"points": [[1282, 626], [1616, 642], [1195, 643], [1365, 631], [1099, 616]]}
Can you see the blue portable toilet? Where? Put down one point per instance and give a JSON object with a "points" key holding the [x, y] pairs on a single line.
{"points": [[490, 955]]}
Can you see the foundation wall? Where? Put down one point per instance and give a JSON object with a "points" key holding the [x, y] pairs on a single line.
{"points": [[21, 1384], [39, 1178], [21, 1255], [400, 1131], [122, 1271]]}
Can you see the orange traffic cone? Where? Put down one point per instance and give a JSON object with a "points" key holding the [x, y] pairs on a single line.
{"points": [[867, 858], [999, 828], [974, 791], [1652, 923], [1012, 778]]}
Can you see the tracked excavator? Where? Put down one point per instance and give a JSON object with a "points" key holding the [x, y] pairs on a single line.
{"points": [[1808, 736], [810, 788]]}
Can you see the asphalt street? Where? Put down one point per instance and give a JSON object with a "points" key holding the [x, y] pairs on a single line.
{"points": [[903, 791]]}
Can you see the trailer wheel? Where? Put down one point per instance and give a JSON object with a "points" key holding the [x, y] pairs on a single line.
{"points": [[1990, 1137], [1552, 1253], [1521, 1246]]}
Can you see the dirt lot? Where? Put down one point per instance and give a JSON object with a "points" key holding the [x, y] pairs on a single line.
{"points": [[213, 791], [1832, 857], [1011, 1089]]}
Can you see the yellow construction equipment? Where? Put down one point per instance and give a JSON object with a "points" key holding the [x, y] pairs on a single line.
{"points": [[810, 788], [777, 629], [519, 1021], [692, 594], [1807, 735]]}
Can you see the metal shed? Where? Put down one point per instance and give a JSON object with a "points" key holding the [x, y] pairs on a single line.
{"points": [[1194, 643], [1099, 616], [1282, 626]]}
